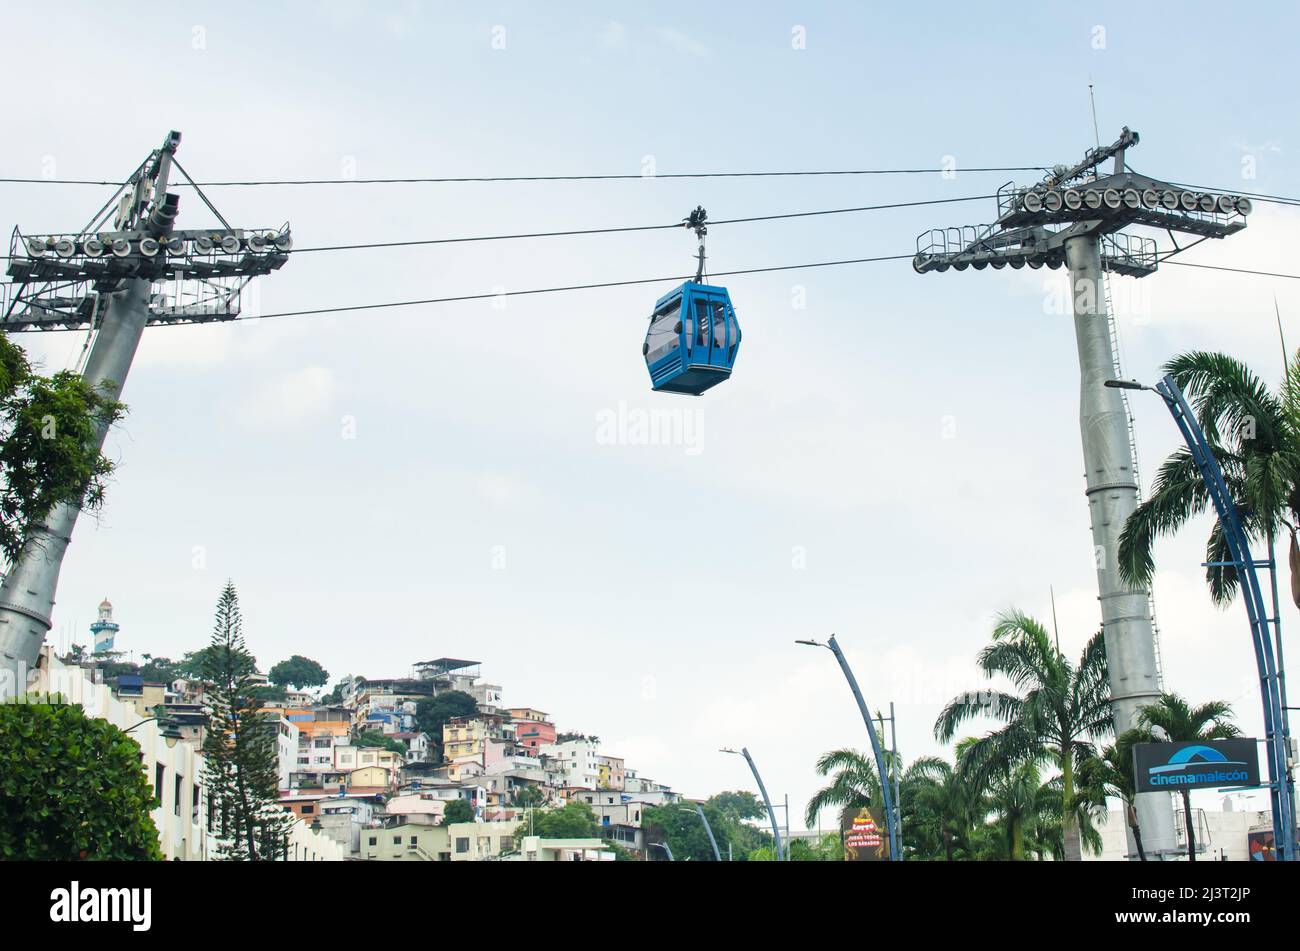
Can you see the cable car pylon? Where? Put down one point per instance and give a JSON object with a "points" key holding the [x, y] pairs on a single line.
{"points": [[128, 268], [1074, 218]]}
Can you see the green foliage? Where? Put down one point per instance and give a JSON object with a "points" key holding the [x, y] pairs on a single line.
{"points": [[679, 825], [573, 820], [50, 429], [1057, 709], [1177, 721], [458, 810], [71, 787], [1255, 435], [159, 669], [829, 848], [241, 764], [940, 812], [299, 672], [195, 664], [335, 696], [270, 693], [854, 785], [432, 714], [371, 738], [622, 854], [737, 804]]}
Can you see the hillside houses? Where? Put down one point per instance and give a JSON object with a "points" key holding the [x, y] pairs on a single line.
{"points": [[361, 771]]}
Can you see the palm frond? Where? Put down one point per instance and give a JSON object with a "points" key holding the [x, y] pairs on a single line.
{"points": [[1227, 395], [1177, 495]]}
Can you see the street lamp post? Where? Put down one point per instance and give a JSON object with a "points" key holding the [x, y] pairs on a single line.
{"points": [[771, 813], [891, 810], [713, 843], [1234, 534], [666, 848]]}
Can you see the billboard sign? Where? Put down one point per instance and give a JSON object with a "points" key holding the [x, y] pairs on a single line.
{"points": [[864, 836], [1172, 767]]}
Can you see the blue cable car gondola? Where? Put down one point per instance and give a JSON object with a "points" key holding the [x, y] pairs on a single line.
{"points": [[693, 337]]}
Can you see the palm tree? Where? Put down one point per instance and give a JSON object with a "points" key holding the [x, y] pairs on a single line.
{"points": [[1172, 720], [1016, 797], [1058, 707], [939, 810], [1255, 435], [1110, 773], [855, 784]]}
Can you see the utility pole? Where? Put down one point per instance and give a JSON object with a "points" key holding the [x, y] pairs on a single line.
{"points": [[1074, 218], [114, 280]]}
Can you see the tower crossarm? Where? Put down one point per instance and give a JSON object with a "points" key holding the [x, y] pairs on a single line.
{"points": [[981, 246], [1114, 202], [195, 275]]}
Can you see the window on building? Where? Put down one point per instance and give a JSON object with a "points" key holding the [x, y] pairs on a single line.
{"points": [[397, 840], [308, 810], [176, 795], [462, 844], [374, 840], [159, 774]]}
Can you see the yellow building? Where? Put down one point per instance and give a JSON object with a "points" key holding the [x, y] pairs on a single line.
{"points": [[610, 772], [347, 758], [463, 738], [369, 779]]}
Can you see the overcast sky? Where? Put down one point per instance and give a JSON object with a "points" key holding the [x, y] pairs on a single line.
{"points": [[895, 460]]}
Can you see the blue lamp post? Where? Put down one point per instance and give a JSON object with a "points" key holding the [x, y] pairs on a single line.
{"points": [[1277, 739], [767, 801], [891, 807]]}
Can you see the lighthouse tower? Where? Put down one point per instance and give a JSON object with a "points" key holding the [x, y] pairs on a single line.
{"points": [[105, 628]]}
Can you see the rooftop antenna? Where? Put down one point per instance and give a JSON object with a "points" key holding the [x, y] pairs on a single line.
{"points": [[127, 268], [1075, 218], [1092, 100]]}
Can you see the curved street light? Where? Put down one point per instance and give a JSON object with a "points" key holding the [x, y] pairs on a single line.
{"points": [[1271, 685], [891, 811], [771, 814]]}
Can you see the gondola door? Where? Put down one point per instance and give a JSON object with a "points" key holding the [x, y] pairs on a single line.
{"points": [[701, 337]]}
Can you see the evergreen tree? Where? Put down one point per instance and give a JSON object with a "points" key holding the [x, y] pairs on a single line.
{"points": [[241, 767]]}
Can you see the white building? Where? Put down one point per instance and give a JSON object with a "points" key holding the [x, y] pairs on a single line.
{"points": [[640, 789], [184, 817], [1220, 835], [574, 762], [344, 818], [536, 849], [286, 748]]}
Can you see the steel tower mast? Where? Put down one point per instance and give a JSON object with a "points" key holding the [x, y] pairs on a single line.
{"points": [[126, 269], [1074, 218]]}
